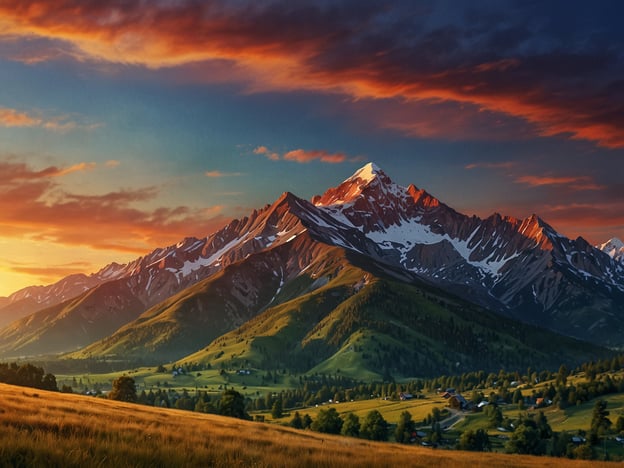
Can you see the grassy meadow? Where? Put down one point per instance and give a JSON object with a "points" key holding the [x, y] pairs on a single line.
{"points": [[47, 429]]}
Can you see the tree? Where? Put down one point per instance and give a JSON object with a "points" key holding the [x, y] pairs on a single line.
{"points": [[307, 421], [374, 426], [600, 423], [296, 421], [562, 375], [124, 389], [530, 436], [405, 428], [476, 441], [583, 452], [495, 415], [619, 424], [327, 421], [350, 425], [276, 410], [545, 431], [233, 404], [525, 440], [49, 383]]}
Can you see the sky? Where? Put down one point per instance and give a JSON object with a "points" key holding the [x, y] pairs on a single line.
{"points": [[129, 125]]}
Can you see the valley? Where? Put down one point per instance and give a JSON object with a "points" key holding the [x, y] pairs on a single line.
{"points": [[337, 308]]}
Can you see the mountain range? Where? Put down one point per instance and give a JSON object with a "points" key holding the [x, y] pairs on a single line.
{"points": [[368, 277]]}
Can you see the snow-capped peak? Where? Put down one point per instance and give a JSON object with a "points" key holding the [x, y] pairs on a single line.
{"points": [[367, 173], [614, 248], [369, 178]]}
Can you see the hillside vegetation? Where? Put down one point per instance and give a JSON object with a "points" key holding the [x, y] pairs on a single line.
{"points": [[383, 329], [39, 428]]}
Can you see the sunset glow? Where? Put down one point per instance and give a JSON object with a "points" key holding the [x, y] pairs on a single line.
{"points": [[127, 126]]}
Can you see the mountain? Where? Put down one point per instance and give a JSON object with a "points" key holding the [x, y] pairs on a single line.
{"points": [[614, 248], [33, 298], [367, 236], [73, 324], [361, 323], [520, 268]]}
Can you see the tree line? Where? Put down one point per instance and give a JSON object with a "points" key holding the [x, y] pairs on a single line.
{"points": [[27, 375]]}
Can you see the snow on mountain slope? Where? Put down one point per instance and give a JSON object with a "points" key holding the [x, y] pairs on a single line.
{"points": [[614, 248], [520, 267]]}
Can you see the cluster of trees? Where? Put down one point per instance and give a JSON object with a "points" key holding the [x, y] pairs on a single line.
{"points": [[317, 389], [328, 421], [564, 395], [230, 402], [27, 375]]}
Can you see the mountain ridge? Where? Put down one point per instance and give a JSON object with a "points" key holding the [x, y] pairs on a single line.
{"points": [[522, 269]]}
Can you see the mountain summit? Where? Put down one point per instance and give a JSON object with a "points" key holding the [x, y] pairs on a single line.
{"points": [[614, 248], [178, 298]]}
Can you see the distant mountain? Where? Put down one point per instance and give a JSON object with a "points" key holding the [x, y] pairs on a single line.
{"points": [[73, 324], [367, 233], [614, 248]]}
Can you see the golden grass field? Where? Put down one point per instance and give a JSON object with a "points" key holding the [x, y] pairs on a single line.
{"points": [[43, 429]]}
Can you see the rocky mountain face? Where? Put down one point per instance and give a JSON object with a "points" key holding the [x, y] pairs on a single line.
{"points": [[522, 269]]}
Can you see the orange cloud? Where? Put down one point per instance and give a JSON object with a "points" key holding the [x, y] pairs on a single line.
{"points": [[49, 273], [266, 152], [305, 156], [326, 49], [495, 165], [33, 205], [14, 118], [219, 174], [60, 123], [576, 183], [596, 222]]}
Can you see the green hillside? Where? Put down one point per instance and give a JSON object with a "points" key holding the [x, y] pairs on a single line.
{"points": [[386, 329]]}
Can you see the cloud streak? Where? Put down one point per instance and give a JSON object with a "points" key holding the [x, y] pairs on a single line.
{"points": [[302, 156], [13, 118], [575, 183], [219, 174], [360, 50], [35, 206]]}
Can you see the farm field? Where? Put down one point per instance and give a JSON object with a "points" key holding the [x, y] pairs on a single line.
{"points": [[39, 428]]}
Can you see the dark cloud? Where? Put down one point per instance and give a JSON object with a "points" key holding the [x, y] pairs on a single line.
{"points": [[550, 65]]}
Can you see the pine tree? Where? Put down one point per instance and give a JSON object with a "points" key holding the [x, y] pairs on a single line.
{"points": [[600, 423], [277, 410], [296, 422]]}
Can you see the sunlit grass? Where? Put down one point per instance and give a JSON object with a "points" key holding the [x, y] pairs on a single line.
{"points": [[39, 428], [389, 409]]}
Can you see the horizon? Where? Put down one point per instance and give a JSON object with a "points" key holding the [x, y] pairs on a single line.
{"points": [[129, 129]]}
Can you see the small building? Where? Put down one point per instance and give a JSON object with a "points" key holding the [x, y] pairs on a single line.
{"points": [[458, 401], [405, 396]]}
